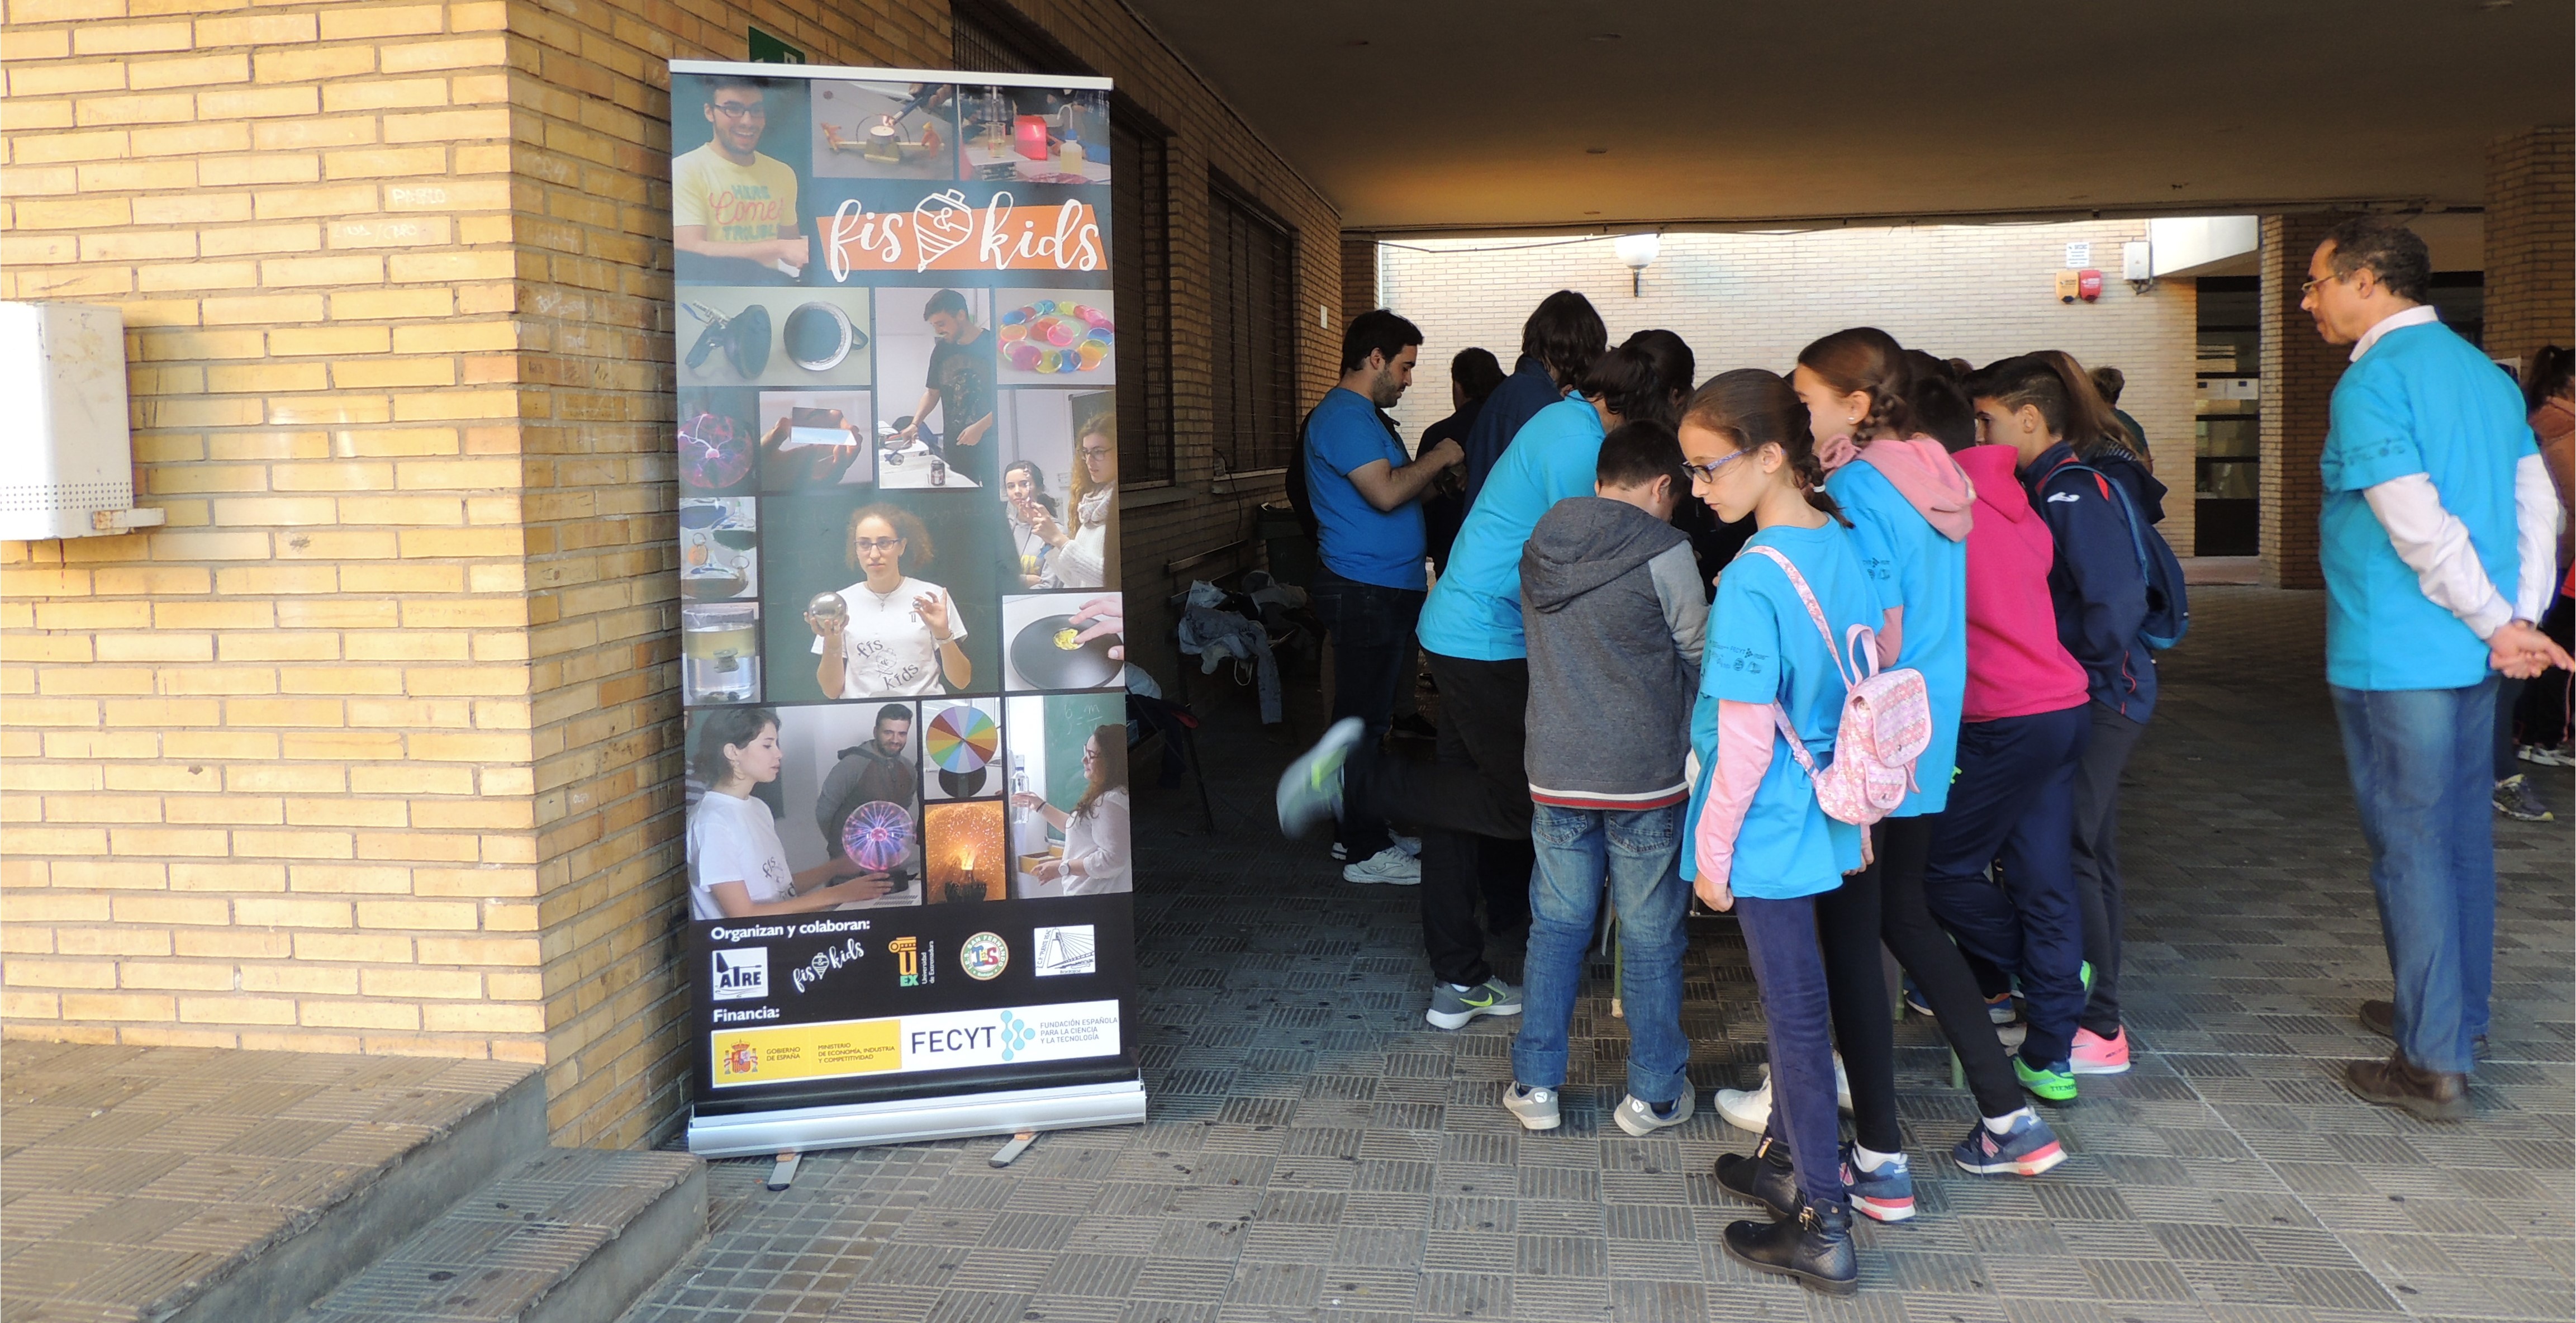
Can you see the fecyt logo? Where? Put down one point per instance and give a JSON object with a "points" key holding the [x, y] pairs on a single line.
{"points": [[742, 974]]}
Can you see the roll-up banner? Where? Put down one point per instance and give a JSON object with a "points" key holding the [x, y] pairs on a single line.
{"points": [[907, 787]]}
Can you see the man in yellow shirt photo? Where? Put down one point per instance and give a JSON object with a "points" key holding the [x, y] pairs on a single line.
{"points": [[732, 208]]}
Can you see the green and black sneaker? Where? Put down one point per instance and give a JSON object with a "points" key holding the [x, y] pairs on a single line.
{"points": [[2055, 1084]]}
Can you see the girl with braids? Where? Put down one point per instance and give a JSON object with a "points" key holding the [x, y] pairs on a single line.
{"points": [[2073, 460], [1909, 504], [1760, 844]]}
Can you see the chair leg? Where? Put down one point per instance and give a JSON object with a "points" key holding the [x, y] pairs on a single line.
{"points": [[1190, 743]]}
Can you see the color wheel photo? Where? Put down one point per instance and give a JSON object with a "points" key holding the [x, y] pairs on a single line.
{"points": [[959, 744]]}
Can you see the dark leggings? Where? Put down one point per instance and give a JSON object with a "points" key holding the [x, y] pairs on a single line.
{"points": [[1884, 902]]}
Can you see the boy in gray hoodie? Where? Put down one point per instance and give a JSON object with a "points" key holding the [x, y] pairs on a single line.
{"points": [[1612, 601]]}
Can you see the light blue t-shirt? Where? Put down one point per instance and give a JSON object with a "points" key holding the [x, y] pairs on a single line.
{"points": [[1359, 541], [1763, 647], [2423, 400], [1911, 565], [1475, 610]]}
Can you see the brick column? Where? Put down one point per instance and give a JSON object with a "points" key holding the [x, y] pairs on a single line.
{"points": [[2531, 241], [1359, 279], [2299, 374]]}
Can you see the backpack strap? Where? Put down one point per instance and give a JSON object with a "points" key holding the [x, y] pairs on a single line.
{"points": [[1863, 643], [2119, 496]]}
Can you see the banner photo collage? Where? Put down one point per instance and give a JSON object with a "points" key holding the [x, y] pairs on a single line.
{"points": [[907, 787]]}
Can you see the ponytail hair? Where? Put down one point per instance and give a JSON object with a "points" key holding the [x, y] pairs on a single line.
{"points": [[1867, 360], [1941, 409], [1626, 383], [2052, 382], [1751, 408]]}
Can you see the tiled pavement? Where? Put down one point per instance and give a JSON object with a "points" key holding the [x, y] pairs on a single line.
{"points": [[1317, 1152]]}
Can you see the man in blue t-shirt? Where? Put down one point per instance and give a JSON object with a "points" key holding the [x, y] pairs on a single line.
{"points": [[2437, 506], [1367, 497]]}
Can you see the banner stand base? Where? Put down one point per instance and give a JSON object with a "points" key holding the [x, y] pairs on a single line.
{"points": [[912, 1120]]}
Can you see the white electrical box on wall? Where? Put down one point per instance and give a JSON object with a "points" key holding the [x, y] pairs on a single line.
{"points": [[67, 466]]}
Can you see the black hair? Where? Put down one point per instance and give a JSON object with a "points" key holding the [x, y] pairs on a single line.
{"points": [[735, 82], [1477, 370], [1941, 408], [1675, 367], [948, 301], [2394, 253], [1376, 331], [1625, 381], [1635, 454], [1037, 482], [892, 712], [737, 726], [1867, 360], [2109, 382], [2548, 376], [1750, 408], [1564, 335], [2056, 385]]}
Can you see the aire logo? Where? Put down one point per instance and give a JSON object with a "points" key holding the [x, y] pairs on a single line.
{"points": [[742, 974]]}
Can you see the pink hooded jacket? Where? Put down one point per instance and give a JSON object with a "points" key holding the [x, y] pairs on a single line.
{"points": [[2016, 666]]}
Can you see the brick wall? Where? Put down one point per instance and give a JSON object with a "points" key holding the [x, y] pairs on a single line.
{"points": [[2531, 242], [374, 748], [1753, 300], [2299, 374], [1359, 278]]}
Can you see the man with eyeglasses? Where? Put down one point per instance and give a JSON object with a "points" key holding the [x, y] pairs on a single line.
{"points": [[730, 204], [2438, 540]]}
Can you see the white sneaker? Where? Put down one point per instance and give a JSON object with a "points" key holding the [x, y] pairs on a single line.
{"points": [[1750, 1109], [1391, 866], [1411, 845], [1535, 1108], [1638, 1119]]}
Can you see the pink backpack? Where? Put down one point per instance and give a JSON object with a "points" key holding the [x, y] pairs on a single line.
{"points": [[1886, 723]]}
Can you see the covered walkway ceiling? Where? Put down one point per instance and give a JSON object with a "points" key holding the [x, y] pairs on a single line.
{"points": [[1498, 114]]}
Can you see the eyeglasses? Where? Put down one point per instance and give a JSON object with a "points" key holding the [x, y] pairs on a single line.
{"points": [[741, 110], [2309, 287], [1095, 452], [1708, 472], [876, 543]]}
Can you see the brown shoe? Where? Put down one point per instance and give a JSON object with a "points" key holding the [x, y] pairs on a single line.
{"points": [[2434, 1095], [2380, 1017]]}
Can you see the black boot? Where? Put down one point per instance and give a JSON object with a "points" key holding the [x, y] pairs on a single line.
{"points": [[1815, 1247], [1764, 1176]]}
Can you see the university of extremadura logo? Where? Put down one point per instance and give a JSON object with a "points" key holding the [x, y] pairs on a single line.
{"points": [[914, 965], [984, 956]]}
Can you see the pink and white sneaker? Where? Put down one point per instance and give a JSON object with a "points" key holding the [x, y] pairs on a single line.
{"points": [[2095, 1055]]}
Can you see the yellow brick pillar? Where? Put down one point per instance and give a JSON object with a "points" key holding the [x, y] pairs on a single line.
{"points": [[2299, 374], [2531, 242], [374, 747]]}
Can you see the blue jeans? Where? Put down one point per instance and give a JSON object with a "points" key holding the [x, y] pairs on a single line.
{"points": [[2419, 760], [1638, 851], [1789, 969]]}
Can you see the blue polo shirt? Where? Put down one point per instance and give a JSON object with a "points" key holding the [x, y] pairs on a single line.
{"points": [[1910, 564], [1474, 611], [2423, 400], [1360, 542]]}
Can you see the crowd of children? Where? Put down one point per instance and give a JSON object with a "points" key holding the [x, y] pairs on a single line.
{"points": [[1978, 537], [1898, 722]]}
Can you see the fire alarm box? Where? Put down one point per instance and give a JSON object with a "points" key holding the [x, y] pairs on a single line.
{"points": [[2088, 284], [66, 460], [2066, 286]]}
